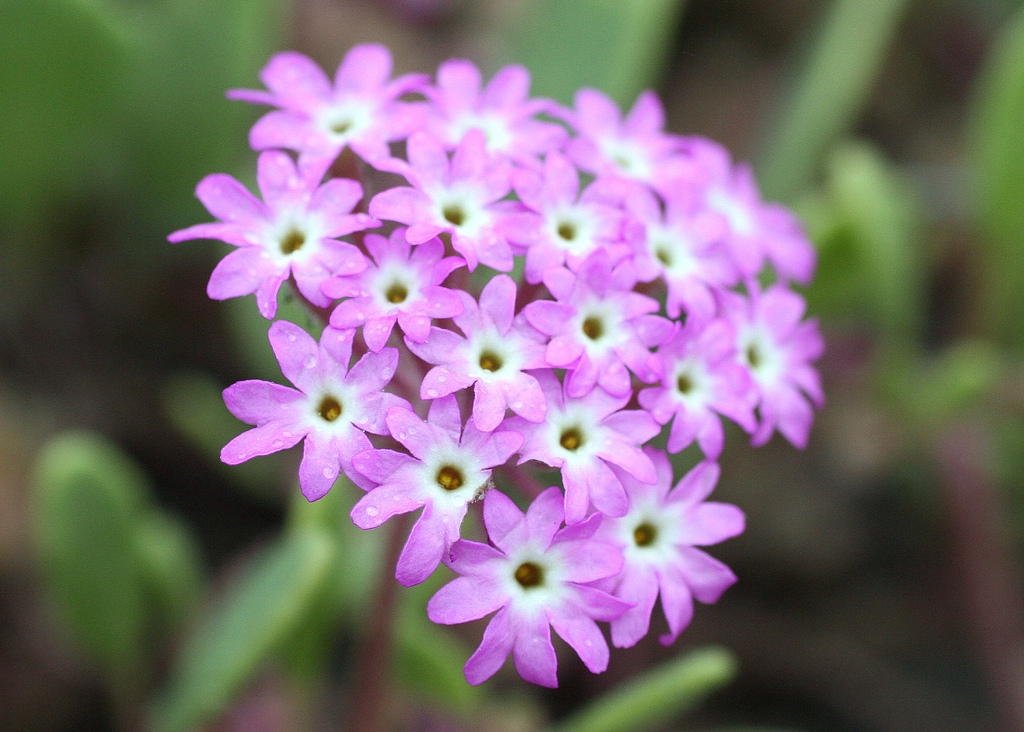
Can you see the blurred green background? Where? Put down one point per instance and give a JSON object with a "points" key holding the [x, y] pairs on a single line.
{"points": [[143, 584]]}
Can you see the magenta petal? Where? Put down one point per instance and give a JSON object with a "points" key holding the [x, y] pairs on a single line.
{"points": [[533, 652], [445, 414], [493, 650], [262, 440], [402, 204], [321, 463], [465, 599], [677, 603], [295, 349], [498, 301], [587, 561], [639, 586], [382, 503], [439, 382], [583, 635], [380, 465], [240, 273], [296, 79], [366, 67], [488, 405], [706, 576], [257, 402], [501, 515], [376, 331], [228, 200], [423, 549], [544, 516]]}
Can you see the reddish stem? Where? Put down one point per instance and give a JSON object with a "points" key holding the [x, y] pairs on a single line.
{"points": [[372, 694], [987, 572]]}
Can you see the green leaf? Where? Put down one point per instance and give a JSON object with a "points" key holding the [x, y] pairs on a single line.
{"points": [[260, 610], [62, 62], [829, 92], [997, 132], [429, 659], [171, 567], [88, 496], [931, 392], [867, 225], [617, 47], [656, 697]]}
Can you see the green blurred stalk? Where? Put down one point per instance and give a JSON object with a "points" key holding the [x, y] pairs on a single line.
{"points": [[830, 90], [656, 697]]}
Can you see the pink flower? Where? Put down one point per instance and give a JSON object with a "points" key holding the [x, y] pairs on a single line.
{"points": [[493, 358], [777, 350], [565, 227], [502, 110], [331, 408], [293, 231], [658, 538], [635, 149], [403, 286], [449, 468], [756, 231], [680, 242], [459, 197], [701, 381], [535, 577], [597, 330], [583, 437], [318, 119]]}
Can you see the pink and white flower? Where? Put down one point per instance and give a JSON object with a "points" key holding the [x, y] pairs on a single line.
{"points": [[449, 467], [293, 231], [536, 577], [330, 410]]}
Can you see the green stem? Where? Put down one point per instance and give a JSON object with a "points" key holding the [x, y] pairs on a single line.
{"points": [[830, 90]]}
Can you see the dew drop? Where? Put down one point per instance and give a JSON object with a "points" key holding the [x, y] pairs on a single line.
{"points": [[442, 379], [372, 511], [432, 393], [277, 444], [517, 405], [310, 362], [291, 337], [328, 472]]}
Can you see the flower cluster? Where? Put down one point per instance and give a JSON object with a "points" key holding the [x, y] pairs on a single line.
{"points": [[568, 285]]}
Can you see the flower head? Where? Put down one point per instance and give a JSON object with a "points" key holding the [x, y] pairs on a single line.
{"points": [[659, 539], [493, 358], [536, 578], [403, 285], [293, 231], [331, 408], [319, 118], [448, 468]]}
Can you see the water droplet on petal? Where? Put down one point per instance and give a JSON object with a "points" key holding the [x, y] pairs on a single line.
{"points": [[372, 510], [277, 444], [328, 472], [310, 362], [291, 337], [442, 379], [517, 405], [431, 393]]}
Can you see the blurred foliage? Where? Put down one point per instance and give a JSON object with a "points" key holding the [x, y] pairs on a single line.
{"points": [[997, 131], [867, 224], [617, 47], [260, 610], [123, 99], [829, 90], [96, 527], [657, 696]]}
